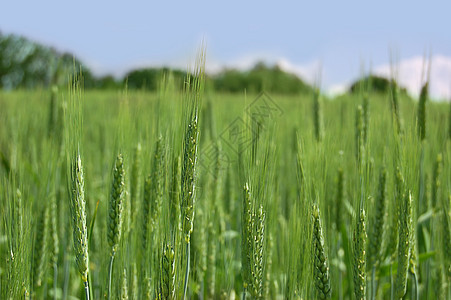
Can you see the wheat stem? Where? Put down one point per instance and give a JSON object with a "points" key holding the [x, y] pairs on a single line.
{"points": [[110, 272], [55, 279], [185, 285], [86, 290]]}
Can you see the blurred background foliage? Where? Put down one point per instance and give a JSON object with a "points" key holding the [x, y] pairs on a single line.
{"points": [[25, 64]]}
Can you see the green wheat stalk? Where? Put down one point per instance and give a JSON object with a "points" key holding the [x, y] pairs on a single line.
{"points": [[404, 245], [321, 263], [360, 240], [78, 212], [114, 221], [421, 122]]}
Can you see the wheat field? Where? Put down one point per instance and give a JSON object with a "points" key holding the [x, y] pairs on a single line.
{"points": [[200, 195]]}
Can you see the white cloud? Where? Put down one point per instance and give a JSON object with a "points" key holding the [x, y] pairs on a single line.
{"points": [[310, 72], [337, 89], [409, 72]]}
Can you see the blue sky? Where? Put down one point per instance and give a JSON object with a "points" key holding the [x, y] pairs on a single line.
{"points": [[336, 37]]}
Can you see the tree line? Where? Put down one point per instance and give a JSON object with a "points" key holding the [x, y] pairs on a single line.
{"points": [[25, 64]]}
